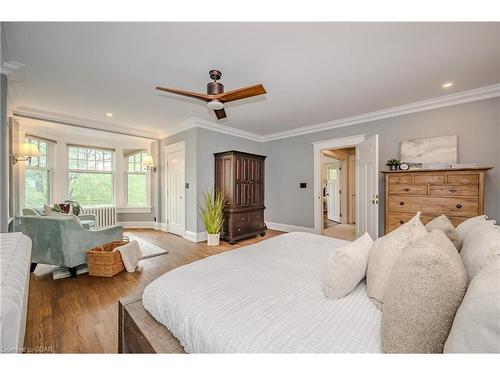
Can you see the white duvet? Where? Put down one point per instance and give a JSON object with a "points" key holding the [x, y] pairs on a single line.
{"points": [[264, 298]]}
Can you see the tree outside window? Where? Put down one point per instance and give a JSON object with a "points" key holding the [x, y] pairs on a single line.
{"points": [[90, 175], [136, 180], [36, 177]]}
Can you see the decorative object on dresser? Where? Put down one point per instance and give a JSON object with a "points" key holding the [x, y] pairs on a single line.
{"points": [[393, 164], [240, 176], [456, 193]]}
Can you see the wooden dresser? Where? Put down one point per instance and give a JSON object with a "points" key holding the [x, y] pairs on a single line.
{"points": [[457, 193], [241, 177]]}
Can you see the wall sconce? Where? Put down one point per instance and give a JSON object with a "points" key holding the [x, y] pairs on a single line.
{"points": [[147, 162], [26, 152]]}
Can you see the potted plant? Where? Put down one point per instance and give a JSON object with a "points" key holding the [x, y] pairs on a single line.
{"points": [[212, 214], [393, 164]]}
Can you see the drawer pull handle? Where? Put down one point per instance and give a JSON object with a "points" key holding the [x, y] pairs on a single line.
{"points": [[401, 221], [453, 191], [407, 190], [459, 205], [401, 203]]}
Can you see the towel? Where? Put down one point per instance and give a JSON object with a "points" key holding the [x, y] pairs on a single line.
{"points": [[131, 254]]}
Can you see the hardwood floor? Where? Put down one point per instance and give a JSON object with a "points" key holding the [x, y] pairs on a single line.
{"points": [[81, 315]]}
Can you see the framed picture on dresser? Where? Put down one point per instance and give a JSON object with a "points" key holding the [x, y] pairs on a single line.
{"points": [[443, 150]]}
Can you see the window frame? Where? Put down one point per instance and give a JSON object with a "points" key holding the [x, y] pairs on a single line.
{"points": [[89, 171], [48, 168], [145, 172]]}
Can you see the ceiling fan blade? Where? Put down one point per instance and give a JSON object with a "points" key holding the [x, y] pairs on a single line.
{"points": [[220, 113], [190, 94], [245, 92]]}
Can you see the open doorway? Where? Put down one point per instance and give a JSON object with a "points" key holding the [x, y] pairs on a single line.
{"points": [[339, 192], [364, 209]]}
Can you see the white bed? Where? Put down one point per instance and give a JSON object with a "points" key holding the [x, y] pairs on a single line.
{"points": [[15, 252], [264, 298]]}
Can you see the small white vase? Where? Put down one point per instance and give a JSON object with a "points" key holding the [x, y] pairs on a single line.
{"points": [[213, 239]]}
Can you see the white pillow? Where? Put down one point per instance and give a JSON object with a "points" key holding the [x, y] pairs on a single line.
{"points": [[480, 248], [466, 226], [476, 328], [346, 267], [385, 252]]}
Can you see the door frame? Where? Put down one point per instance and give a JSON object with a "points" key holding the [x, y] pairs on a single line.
{"points": [[174, 147], [318, 147]]}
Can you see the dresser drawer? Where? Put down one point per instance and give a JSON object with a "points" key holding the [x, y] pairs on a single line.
{"points": [[408, 189], [463, 179], [404, 179], [240, 218], [396, 219], [431, 179], [454, 191], [458, 206]]}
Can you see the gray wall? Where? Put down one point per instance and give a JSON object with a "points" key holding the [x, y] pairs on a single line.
{"points": [[4, 157], [290, 160], [210, 142], [200, 147]]}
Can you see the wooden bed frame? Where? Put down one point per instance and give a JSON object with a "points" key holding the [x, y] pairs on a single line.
{"points": [[139, 332]]}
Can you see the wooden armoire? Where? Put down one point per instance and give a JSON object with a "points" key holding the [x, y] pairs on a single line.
{"points": [[240, 176]]}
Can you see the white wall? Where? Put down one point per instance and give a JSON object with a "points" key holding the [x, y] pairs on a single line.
{"points": [[64, 135]]}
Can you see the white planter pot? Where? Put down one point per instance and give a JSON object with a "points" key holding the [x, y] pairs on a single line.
{"points": [[213, 239]]}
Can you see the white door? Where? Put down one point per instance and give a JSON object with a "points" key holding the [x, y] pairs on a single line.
{"points": [[367, 187], [175, 192], [333, 188]]}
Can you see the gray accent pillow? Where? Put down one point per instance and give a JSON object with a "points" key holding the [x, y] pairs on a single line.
{"points": [[346, 267], [424, 292], [384, 254], [476, 328], [444, 224]]}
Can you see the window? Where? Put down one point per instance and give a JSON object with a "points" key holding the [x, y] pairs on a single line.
{"points": [[136, 180], [90, 175], [36, 177]]}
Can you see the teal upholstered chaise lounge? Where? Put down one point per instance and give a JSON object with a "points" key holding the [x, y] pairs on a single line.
{"points": [[87, 221], [63, 241]]}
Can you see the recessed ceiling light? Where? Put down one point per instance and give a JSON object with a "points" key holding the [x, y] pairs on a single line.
{"points": [[447, 84], [109, 114]]}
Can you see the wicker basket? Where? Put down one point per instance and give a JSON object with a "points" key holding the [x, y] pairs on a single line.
{"points": [[104, 261]]}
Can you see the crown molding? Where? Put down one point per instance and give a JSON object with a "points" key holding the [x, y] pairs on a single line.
{"points": [[481, 93], [473, 95], [11, 66], [195, 122], [83, 123]]}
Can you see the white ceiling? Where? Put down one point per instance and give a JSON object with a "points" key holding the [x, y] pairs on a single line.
{"points": [[313, 72]]}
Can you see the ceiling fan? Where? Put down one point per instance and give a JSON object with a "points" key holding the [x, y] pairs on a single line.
{"points": [[216, 97]]}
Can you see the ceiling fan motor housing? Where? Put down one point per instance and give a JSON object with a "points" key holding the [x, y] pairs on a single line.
{"points": [[214, 88]]}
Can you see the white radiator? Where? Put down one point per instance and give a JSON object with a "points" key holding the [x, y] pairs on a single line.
{"points": [[105, 215]]}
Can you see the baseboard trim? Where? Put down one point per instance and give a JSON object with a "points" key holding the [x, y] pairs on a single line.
{"points": [[139, 224], [195, 237], [288, 227]]}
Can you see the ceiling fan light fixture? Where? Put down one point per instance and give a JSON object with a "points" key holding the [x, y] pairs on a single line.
{"points": [[215, 104]]}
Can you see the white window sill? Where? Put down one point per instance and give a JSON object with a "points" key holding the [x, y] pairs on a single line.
{"points": [[134, 210]]}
